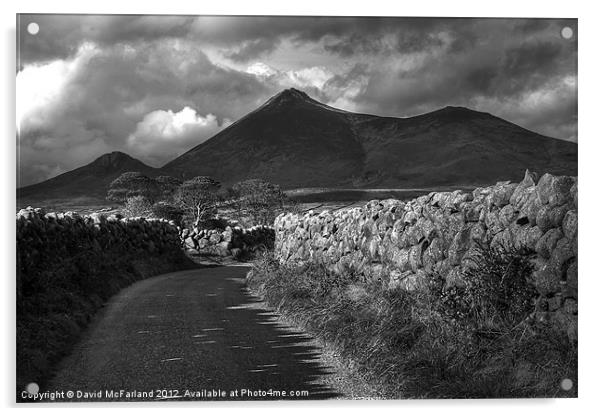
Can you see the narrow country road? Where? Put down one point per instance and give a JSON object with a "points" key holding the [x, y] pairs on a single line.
{"points": [[190, 335]]}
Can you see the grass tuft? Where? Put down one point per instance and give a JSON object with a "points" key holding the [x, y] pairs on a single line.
{"points": [[434, 342]]}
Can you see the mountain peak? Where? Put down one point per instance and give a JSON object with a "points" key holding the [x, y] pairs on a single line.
{"points": [[112, 158], [294, 93], [287, 97]]}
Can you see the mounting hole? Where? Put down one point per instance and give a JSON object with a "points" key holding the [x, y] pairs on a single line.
{"points": [[32, 388], [33, 28], [566, 32], [566, 384]]}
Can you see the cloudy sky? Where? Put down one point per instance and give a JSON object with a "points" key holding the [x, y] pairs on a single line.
{"points": [[155, 86]]}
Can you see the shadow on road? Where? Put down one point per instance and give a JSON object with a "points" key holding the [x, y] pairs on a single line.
{"points": [[195, 332]]}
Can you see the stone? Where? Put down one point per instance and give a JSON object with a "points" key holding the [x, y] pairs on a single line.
{"points": [[551, 216], [570, 289], [472, 211], [555, 302], [411, 236], [569, 225], [547, 279], [507, 215], [570, 306], [503, 240], [501, 193], [547, 243], [401, 259], [531, 206], [459, 245], [573, 193], [563, 252], [554, 190], [526, 237], [434, 253], [478, 233], [415, 257], [524, 188], [493, 223]]}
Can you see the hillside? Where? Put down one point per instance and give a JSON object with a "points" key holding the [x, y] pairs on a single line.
{"points": [[91, 180], [298, 142]]}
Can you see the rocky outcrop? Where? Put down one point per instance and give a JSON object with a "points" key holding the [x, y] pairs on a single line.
{"points": [[403, 243], [232, 241]]}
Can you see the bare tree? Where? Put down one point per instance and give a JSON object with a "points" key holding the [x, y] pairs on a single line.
{"points": [[259, 199], [198, 197]]}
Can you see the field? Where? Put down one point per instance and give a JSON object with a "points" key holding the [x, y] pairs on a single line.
{"points": [[307, 198]]}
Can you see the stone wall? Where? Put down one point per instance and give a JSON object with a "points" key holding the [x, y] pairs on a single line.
{"points": [[402, 243], [234, 241], [67, 234], [68, 266]]}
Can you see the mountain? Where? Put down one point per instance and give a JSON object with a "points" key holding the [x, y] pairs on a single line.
{"points": [[91, 180], [296, 141]]}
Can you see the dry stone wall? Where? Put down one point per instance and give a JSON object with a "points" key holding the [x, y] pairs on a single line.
{"points": [[402, 243], [69, 265], [68, 234], [235, 241]]}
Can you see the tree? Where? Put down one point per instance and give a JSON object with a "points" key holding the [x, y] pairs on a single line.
{"points": [[133, 184], [198, 197], [167, 211], [259, 199], [168, 185], [137, 206]]}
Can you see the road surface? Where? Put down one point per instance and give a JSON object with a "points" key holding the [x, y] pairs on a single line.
{"points": [[197, 335]]}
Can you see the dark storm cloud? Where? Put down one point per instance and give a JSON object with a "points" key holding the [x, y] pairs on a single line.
{"points": [[61, 35], [488, 73], [253, 49], [152, 85]]}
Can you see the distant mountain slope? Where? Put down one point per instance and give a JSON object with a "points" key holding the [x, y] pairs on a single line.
{"points": [[291, 140], [91, 180], [296, 141]]}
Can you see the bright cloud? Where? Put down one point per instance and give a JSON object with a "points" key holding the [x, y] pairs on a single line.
{"points": [[164, 134], [312, 77], [42, 88]]}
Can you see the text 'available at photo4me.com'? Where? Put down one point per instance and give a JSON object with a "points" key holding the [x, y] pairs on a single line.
{"points": [[162, 394]]}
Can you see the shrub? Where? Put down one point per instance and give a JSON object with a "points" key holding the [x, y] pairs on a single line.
{"points": [[499, 286]]}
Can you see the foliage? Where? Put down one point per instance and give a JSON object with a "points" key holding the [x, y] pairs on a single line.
{"points": [[259, 199], [168, 185], [133, 184], [432, 342], [498, 285], [198, 198], [167, 211], [137, 206]]}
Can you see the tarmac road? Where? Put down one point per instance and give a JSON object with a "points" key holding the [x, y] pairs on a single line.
{"points": [[196, 335]]}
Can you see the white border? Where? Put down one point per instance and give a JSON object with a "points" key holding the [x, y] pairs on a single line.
{"points": [[590, 202]]}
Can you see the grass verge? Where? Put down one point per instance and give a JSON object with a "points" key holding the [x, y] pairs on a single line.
{"points": [[433, 342]]}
